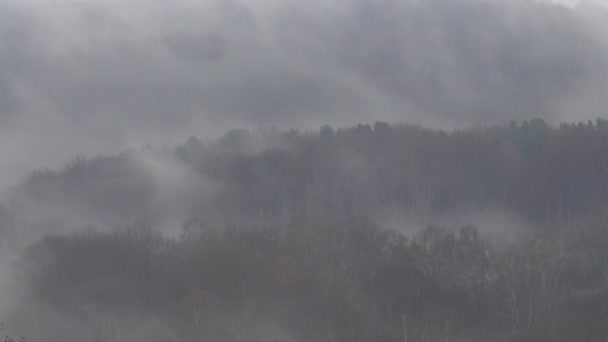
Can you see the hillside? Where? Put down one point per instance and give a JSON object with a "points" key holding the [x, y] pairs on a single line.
{"points": [[367, 233]]}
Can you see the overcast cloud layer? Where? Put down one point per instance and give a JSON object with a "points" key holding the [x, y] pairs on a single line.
{"points": [[88, 77]]}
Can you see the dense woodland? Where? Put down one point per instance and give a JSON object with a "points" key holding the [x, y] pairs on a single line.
{"points": [[283, 236]]}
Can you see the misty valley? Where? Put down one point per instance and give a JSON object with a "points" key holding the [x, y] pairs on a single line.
{"points": [[383, 232], [303, 170]]}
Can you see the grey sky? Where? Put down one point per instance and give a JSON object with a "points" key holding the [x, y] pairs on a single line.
{"points": [[88, 77]]}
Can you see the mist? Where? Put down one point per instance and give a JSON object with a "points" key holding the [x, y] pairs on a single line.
{"points": [[279, 170], [87, 78]]}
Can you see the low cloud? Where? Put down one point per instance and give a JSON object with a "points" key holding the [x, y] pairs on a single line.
{"points": [[84, 77]]}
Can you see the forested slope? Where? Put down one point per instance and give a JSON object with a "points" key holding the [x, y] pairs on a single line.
{"points": [[281, 236]]}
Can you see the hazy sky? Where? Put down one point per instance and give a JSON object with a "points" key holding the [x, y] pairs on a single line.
{"points": [[88, 77], [581, 2]]}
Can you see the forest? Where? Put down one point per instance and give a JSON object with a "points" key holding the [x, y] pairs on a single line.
{"points": [[384, 232]]}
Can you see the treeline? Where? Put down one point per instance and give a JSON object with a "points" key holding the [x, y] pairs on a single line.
{"points": [[320, 280], [543, 174], [281, 238]]}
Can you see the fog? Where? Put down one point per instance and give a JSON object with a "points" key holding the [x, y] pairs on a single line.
{"points": [[392, 170], [91, 77]]}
